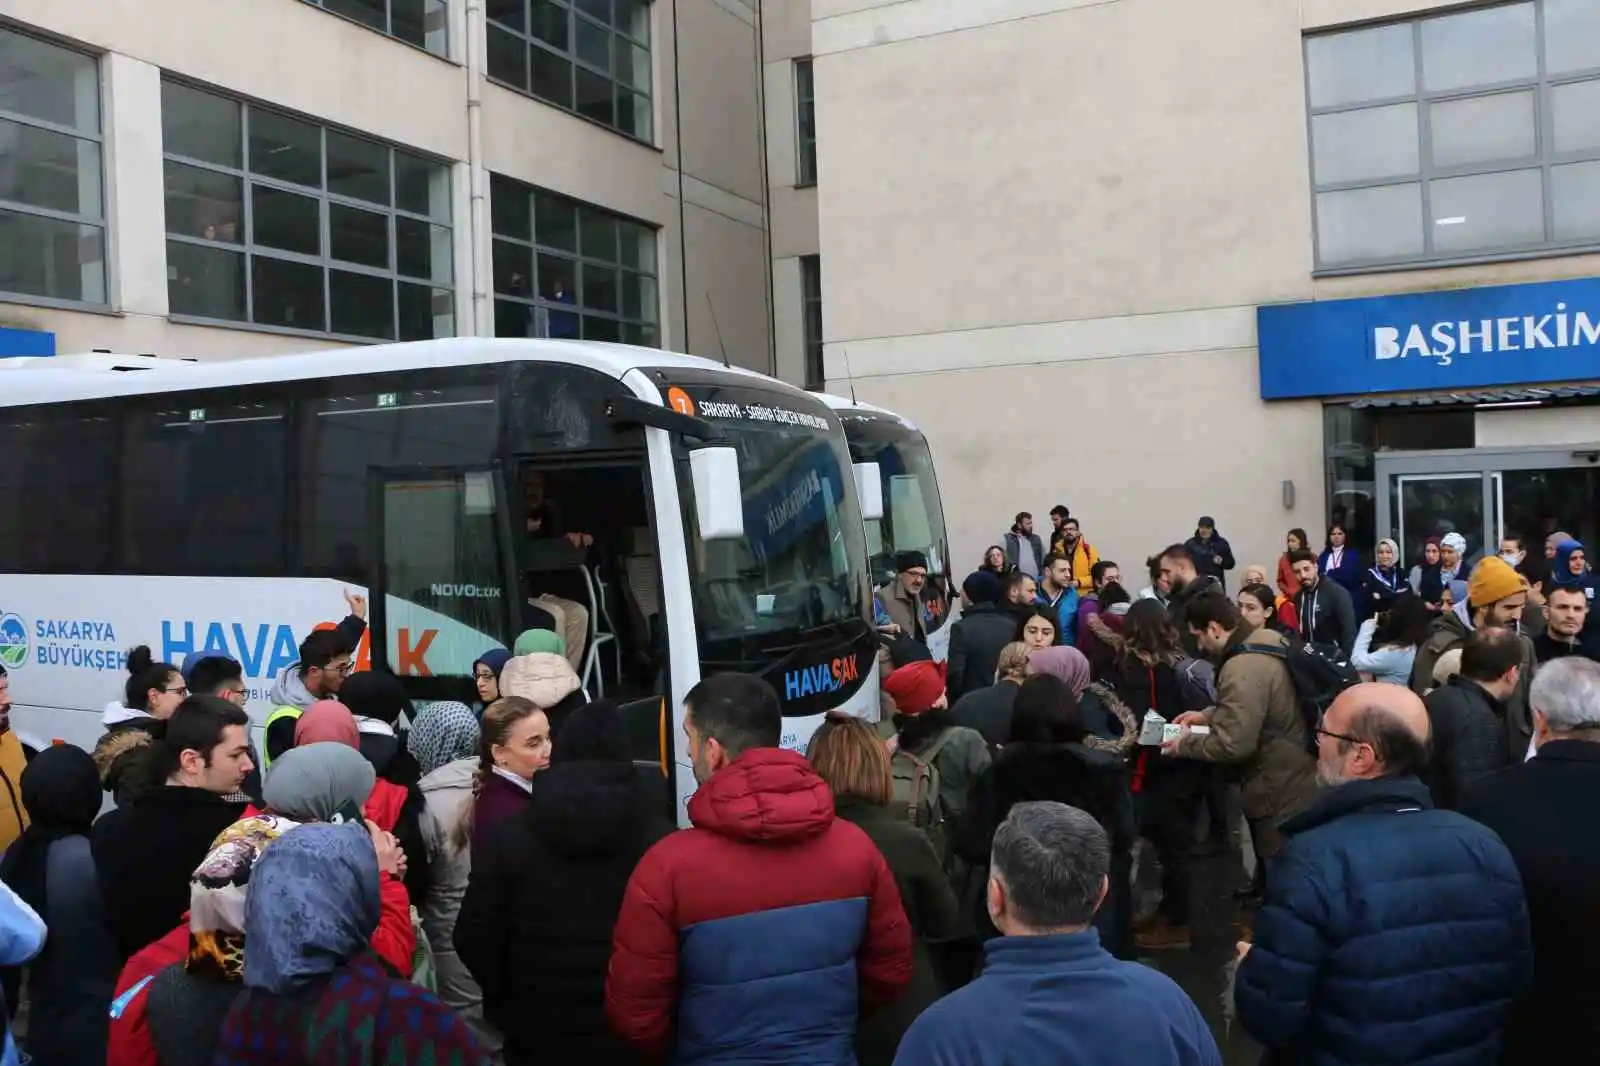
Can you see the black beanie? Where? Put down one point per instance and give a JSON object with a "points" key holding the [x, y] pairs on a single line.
{"points": [[595, 732]]}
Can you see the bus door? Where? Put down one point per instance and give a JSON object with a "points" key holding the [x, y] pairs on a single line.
{"points": [[444, 589]]}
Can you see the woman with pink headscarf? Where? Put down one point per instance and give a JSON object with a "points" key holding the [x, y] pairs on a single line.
{"points": [[1108, 719]]}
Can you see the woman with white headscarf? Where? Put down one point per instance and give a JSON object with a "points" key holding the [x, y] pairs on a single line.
{"points": [[1382, 582]]}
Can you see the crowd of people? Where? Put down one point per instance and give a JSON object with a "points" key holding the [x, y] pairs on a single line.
{"points": [[388, 881]]}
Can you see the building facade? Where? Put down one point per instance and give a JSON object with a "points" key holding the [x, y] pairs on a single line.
{"points": [[224, 178], [1278, 263]]}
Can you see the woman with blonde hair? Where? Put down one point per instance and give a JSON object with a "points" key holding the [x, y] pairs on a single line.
{"points": [[847, 753], [515, 745], [988, 710]]}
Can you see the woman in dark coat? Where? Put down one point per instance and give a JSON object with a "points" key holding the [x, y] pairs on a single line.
{"points": [[847, 754], [70, 982], [545, 889], [1045, 759]]}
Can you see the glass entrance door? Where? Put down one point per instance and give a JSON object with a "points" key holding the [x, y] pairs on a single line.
{"points": [[1432, 505]]}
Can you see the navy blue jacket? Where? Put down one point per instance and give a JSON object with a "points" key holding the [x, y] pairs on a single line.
{"points": [[1060, 999], [1392, 933]]}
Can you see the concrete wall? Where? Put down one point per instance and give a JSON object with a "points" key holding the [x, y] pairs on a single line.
{"points": [[302, 58], [786, 27], [1046, 226]]}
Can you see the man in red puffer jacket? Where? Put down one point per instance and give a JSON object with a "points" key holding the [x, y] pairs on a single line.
{"points": [[762, 933]]}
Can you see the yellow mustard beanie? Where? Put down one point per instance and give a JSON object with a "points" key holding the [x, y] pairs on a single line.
{"points": [[1492, 581]]}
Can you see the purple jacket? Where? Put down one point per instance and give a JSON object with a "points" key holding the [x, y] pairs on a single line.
{"points": [[497, 801]]}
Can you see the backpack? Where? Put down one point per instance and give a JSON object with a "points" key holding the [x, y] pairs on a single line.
{"points": [[128, 1039], [917, 791], [1317, 673]]}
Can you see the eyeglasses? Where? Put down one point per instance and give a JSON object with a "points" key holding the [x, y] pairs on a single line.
{"points": [[916, 573], [182, 691], [483, 677], [341, 668], [1347, 738]]}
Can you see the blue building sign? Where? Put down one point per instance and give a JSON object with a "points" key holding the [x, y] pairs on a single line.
{"points": [[1464, 338]]}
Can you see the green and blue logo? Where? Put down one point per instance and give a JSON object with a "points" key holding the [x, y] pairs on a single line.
{"points": [[13, 641]]}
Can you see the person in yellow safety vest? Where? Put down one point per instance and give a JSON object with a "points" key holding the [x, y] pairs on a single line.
{"points": [[13, 816], [326, 659]]}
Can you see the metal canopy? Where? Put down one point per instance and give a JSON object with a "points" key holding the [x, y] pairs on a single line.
{"points": [[1474, 397]]}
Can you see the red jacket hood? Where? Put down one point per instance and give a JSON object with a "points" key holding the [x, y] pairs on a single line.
{"points": [[767, 795]]}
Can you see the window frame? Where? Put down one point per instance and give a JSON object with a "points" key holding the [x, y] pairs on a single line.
{"points": [[249, 249], [805, 102], [580, 258], [533, 44], [1544, 160], [100, 222], [443, 51], [811, 298]]}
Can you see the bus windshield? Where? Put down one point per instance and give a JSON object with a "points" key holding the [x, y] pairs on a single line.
{"points": [[913, 514], [793, 590]]}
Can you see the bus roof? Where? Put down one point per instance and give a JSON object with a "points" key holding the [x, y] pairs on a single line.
{"points": [[844, 403], [82, 378]]}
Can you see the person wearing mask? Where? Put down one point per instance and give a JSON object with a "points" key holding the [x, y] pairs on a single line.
{"points": [[769, 890], [1059, 593], [1210, 552], [925, 730], [546, 886], [1382, 582], [1078, 552], [1566, 613], [394, 808], [977, 637], [1109, 724], [22, 936], [1038, 628], [51, 869], [988, 710], [1542, 810], [1387, 643], [1048, 756], [1427, 577], [445, 739], [1296, 541], [1024, 549], [546, 680], [13, 759], [1341, 563], [152, 693], [188, 1002], [902, 597], [313, 992], [326, 660], [1495, 599], [377, 699], [145, 850], [847, 754], [1392, 931], [1467, 715], [1570, 570], [514, 746], [1327, 617], [1514, 550], [1452, 557], [1186, 582], [1255, 725], [995, 562], [486, 676], [1049, 991]]}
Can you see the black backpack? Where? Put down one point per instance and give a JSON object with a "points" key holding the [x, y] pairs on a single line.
{"points": [[1318, 674]]}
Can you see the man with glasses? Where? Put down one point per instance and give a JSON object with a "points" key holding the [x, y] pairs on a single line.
{"points": [[326, 659], [215, 674], [902, 597], [1391, 931]]}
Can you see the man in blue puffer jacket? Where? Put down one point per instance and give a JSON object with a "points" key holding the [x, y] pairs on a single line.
{"points": [[1391, 932]]}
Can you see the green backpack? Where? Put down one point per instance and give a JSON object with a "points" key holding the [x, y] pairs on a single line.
{"points": [[917, 791]]}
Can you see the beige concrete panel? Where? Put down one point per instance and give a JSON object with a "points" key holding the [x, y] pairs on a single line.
{"points": [[1139, 448], [909, 19], [136, 207], [1154, 159], [284, 51], [794, 222], [728, 272], [669, 267], [1322, 14], [789, 321], [1531, 427], [720, 121], [1458, 277], [786, 29], [544, 146], [782, 129], [77, 331]]}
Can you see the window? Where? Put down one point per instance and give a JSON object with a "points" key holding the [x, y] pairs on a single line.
{"points": [[805, 136], [811, 317], [52, 212], [1460, 136], [587, 56], [56, 488], [568, 270], [419, 22], [278, 221]]}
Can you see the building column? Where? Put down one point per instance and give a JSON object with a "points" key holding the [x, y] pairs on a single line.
{"points": [[136, 213]]}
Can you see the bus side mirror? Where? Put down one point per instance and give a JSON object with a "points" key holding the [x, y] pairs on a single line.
{"points": [[869, 490], [718, 495]]}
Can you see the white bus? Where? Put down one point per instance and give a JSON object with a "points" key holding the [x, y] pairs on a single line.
{"points": [[228, 505], [912, 513]]}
